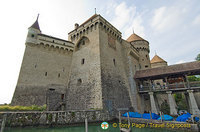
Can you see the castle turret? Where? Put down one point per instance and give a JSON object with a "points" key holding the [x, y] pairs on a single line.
{"points": [[143, 48], [157, 61], [33, 32]]}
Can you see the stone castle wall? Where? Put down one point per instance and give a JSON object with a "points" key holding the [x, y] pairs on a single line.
{"points": [[42, 66], [115, 86], [84, 91], [24, 119]]}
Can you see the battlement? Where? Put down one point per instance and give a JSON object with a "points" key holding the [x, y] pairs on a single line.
{"points": [[141, 45], [53, 42], [94, 22]]}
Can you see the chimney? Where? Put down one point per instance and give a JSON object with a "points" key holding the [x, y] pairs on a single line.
{"points": [[76, 25]]}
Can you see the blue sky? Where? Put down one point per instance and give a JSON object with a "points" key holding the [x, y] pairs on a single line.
{"points": [[172, 27]]}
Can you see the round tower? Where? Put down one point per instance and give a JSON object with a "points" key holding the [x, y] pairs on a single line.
{"points": [[143, 48], [33, 32]]}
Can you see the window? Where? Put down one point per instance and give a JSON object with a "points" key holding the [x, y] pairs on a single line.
{"points": [[140, 66], [79, 81], [58, 75], [35, 65], [82, 61], [62, 96], [146, 66], [53, 41], [52, 89], [32, 35], [114, 62], [45, 73]]}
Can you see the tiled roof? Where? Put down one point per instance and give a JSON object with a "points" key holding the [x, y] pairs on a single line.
{"points": [[35, 25], [92, 17], [157, 59], [134, 37], [189, 68]]}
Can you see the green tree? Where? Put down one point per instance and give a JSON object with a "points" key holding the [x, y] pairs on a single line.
{"points": [[198, 57], [165, 107], [180, 101]]}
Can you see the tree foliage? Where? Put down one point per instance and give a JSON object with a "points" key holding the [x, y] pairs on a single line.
{"points": [[165, 108], [180, 101], [194, 78], [198, 57]]}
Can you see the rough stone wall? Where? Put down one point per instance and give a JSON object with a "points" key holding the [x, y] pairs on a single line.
{"points": [[24, 119], [84, 91], [55, 98], [115, 87], [158, 64], [41, 67], [143, 48], [197, 95]]}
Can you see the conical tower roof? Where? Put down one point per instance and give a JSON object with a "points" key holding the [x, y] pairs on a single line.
{"points": [[157, 59], [134, 37], [36, 24]]}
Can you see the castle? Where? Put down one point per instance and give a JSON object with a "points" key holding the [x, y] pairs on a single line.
{"points": [[94, 69]]}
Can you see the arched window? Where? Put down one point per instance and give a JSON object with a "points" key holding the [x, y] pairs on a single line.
{"points": [[84, 41]]}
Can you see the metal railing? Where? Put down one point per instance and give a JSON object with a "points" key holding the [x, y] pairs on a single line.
{"points": [[194, 84]]}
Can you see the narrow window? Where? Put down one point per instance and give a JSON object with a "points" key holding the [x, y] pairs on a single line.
{"points": [[58, 75], [147, 56], [52, 89], [45, 73], [114, 62], [83, 61], [62, 97], [53, 41], [79, 81], [32, 35], [35, 65]]}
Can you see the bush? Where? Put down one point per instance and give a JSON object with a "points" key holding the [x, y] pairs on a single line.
{"points": [[165, 108], [22, 108]]}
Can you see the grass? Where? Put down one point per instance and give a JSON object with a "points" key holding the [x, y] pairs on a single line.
{"points": [[22, 108]]}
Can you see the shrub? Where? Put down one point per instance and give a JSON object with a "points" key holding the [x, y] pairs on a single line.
{"points": [[22, 108]]}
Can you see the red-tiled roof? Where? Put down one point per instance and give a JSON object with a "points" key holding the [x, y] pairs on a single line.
{"points": [[134, 37], [157, 59]]}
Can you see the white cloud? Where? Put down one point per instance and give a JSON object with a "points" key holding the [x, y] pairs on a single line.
{"points": [[166, 18], [123, 15], [196, 21], [56, 18], [126, 18], [180, 61]]}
